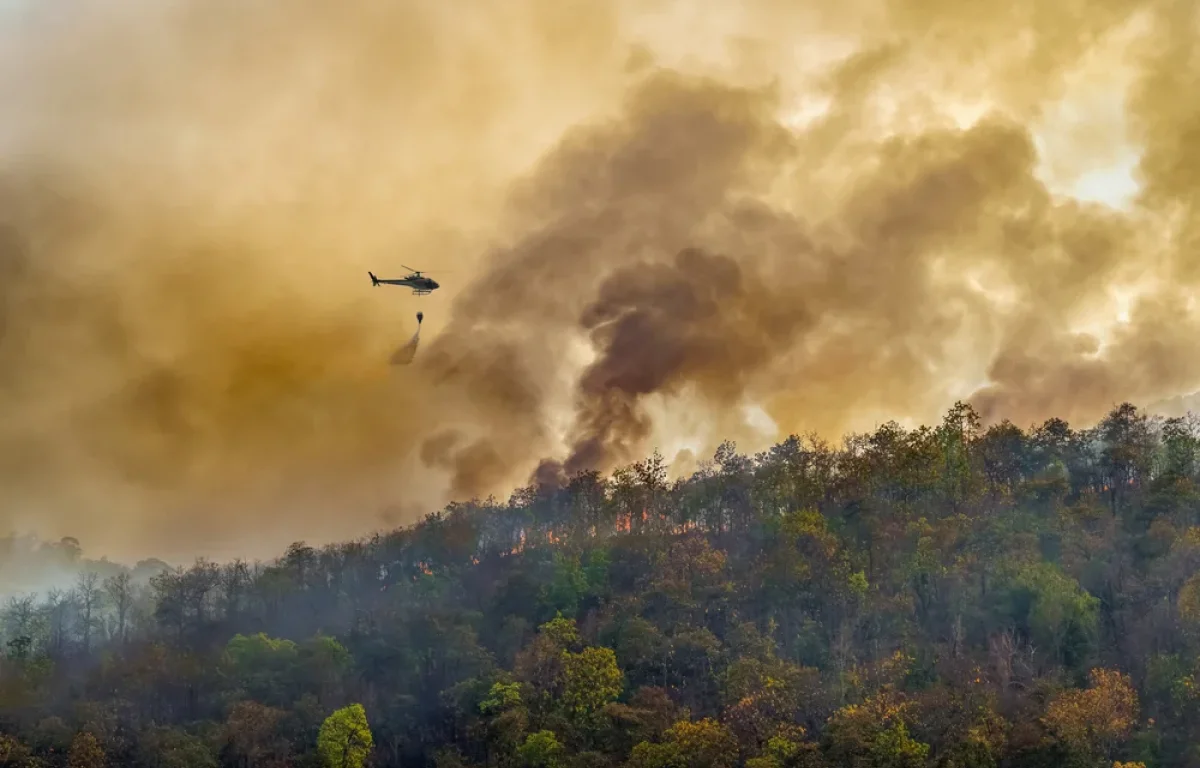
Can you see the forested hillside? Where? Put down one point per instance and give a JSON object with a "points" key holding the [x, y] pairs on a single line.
{"points": [[949, 596]]}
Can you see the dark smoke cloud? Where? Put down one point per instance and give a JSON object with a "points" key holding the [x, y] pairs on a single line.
{"points": [[657, 327], [192, 359]]}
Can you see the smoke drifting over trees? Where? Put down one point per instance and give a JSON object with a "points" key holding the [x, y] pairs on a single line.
{"points": [[840, 215]]}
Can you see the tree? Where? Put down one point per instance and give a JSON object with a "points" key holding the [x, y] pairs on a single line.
{"points": [[253, 738], [19, 624], [1051, 609], [119, 591], [86, 752], [542, 750], [14, 753], [57, 610], [506, 719], [700, 744], [165, 747], [261, 664], [1095, 720], [591, 680], [320, 664], [895, 748], [501, 697], [1128, 452], [874, 735], [89, 598], [345, 738]]}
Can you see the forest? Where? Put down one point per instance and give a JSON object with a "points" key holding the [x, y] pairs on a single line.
{"points": [[950, 596]]}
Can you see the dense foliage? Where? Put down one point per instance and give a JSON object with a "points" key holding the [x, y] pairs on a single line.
{"points": [[949, 596]]}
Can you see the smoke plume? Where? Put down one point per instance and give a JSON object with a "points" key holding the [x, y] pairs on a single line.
{"points": [[654, 219]]}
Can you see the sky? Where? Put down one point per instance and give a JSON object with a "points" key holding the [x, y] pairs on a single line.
{"points": [[653, 227]]}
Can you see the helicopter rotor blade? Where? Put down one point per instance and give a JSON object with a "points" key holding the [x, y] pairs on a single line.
{"points": [[429, 271]]}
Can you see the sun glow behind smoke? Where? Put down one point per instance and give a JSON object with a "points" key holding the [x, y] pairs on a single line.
{"points": [[1090, 112]]}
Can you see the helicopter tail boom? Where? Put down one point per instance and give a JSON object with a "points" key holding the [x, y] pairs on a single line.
{"points": [[374, 280]]}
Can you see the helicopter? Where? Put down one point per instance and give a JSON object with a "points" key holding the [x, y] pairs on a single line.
{"points": [[421, 285]]}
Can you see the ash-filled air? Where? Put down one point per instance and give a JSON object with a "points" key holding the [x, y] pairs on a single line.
{"points": [[842, 214]]}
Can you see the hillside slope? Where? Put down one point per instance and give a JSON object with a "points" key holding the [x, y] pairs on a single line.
{"points": [[948, 596]]}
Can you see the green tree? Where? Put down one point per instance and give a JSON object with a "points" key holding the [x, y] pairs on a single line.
{"points": [[567, 586], [895, 748], [174, 748], [323, 661], [261, 665], [1053, 610], [501, 697], [591, 680], [542, 750], [345, 740], [874, 734], [561, 631]]}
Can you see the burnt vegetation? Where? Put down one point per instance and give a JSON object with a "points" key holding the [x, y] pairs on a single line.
{"points": [[948, 596]]}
